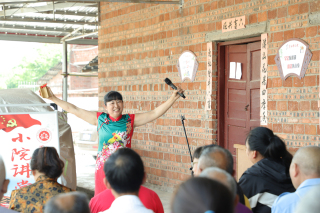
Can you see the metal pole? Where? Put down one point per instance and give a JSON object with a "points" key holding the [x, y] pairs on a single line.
{"points": [[65, 70], [185, 133]]}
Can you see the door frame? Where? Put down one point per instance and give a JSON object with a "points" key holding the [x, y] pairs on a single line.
{"points": [[221, 83]]}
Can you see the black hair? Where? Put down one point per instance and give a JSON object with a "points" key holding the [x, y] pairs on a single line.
{"points": [[197, 152], [80, 204], [200, 194], [112, 95], [269, 145], [124, 171], [46, 160]]}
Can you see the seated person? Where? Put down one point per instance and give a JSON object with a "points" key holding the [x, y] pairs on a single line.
{"points": [[196, 156], [225, 178], [149, 198], [216, 156], [202, 195], [305, 174], [3, 185], [124, 174], [269, 176], [46, 167], [72, 202]]}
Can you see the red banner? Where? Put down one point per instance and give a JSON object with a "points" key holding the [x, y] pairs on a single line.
{"points": [[10, 122]]}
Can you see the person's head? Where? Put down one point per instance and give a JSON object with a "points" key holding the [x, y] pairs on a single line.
{"points": [[72, 202], [222, 176], [198, 195], [262, 143], [113, 103], [305, 165], [310, 202], [3, 181], [215, 156], [124, 172], [196, 156], [46, 161]]}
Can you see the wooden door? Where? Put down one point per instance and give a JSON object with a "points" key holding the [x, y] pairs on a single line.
{"points": [[241, 97]]}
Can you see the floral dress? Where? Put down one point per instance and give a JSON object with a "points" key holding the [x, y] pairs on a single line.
{"points": [[32, 198], [113, 134]]}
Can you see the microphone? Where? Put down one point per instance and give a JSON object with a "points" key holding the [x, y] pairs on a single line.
{"points": [[167, 80]]}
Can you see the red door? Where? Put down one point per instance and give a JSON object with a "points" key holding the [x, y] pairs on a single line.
{"points": [[241, 97]]}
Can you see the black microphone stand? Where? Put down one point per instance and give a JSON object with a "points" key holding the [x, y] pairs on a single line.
{"points": [[185, 133]]}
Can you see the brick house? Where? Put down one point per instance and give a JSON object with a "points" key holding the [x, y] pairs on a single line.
{"points": [[80, 55], [139, 45]]}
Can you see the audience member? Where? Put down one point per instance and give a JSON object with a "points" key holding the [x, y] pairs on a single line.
{"points": [[225, 178], [3, 185], [72, 202], [149, 199], [269, 176], [310, 202], [305, 174], [202, 195], [46, 167], [216, 156], [124, 174], [196, 156]]}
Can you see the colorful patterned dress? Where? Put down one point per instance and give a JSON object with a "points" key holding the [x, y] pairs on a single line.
{"points": [[113, 134], [33, 198]]}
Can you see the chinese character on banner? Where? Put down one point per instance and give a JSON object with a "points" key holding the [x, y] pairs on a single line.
{"points": [[22, 154], [23, 169], [22, 134], [263, 80], [23, 183]]}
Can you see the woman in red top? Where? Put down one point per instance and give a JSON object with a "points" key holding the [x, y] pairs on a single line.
{"points": [[114, 128]]}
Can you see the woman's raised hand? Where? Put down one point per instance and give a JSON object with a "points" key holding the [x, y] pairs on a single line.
{"points": [[50, 93], [175, 94]]}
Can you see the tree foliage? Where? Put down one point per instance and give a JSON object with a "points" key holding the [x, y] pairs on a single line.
{"points": [[35, 65]]}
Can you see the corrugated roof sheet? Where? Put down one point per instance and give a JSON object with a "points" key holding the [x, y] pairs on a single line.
{"points": [[49, 19]]}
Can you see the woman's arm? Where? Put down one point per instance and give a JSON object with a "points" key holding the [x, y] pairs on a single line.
{"points": [[143, 118], [89, 116]]}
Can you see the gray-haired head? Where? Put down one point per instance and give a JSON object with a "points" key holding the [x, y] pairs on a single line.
{"points": [[222, 176], [310, 202], [308, 160], [72, 202], [216, 157]]}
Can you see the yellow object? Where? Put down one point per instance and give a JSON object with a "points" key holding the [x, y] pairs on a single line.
{"points": [[115, 138], [246, 201]]}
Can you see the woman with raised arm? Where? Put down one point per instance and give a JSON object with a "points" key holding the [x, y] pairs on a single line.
{"points": [[114, 128]]}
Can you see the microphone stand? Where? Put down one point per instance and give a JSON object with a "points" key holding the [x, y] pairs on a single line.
{"points": [[185, 133]]}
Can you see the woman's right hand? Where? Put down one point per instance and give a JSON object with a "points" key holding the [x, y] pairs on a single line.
{"points": [[50, 93]]}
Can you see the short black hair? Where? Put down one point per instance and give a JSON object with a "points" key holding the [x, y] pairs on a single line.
{"points": [[112, 95], [46, 160], [124, 171]]}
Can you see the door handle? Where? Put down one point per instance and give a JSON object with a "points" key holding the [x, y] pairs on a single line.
{"points": [[246, 107]]}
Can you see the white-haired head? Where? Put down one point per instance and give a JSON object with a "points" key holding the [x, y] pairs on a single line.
{"points": [[222, 176], [305, 165]]}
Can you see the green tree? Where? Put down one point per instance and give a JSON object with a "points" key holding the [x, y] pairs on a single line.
{"points": [[35, 65]]}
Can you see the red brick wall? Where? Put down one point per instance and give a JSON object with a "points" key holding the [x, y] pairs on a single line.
{"points": [[139, 45], [78, 53], [81, 53]]}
